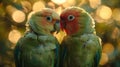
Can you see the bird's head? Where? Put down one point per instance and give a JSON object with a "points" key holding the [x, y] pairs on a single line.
{"points": [[45, 21], [76, 21]]}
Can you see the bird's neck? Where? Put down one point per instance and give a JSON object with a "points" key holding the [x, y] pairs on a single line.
{"points": [[40, 33], [88, 31]]}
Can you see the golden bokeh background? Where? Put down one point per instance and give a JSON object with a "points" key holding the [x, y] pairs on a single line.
{"points": [[15, 13]]}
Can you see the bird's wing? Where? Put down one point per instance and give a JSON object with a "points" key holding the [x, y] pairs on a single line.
{"points": [[94, 49], [17, 54], [98, 53], [22, 51], [63, 51], [57, 55]]}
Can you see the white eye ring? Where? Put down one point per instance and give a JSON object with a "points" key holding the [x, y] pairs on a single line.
{"points": [[71, 17], [49, 18]]}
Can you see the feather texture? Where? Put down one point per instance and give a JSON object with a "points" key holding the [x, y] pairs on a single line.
{"points": [[81, 47], [38, 47]]}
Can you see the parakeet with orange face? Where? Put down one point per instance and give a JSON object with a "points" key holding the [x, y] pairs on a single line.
{"points": [[38, 47], [81, 47]]}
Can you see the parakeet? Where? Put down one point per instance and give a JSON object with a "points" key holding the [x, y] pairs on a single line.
{"points": [[38, 47], [81, 47]]}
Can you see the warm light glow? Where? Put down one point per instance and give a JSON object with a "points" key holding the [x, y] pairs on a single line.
{"points": [[59, 10], [104, 59], [60, 36], [14, 36], [28, 18], [18, 16], [94, 3], [30, 14], [116, 14], [27, 6], [37, 6], [81, 2], [69, 3], [98, 19], [59, 2], [108, 48], [14, 0], [51, 5], [104, 12]]}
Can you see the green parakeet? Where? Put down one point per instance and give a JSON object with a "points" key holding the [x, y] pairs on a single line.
{"points": [[81, 47], [38, 47]]}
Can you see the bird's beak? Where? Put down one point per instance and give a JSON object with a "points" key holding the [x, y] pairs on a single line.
{"points": [[57, 26], [57, 23]]}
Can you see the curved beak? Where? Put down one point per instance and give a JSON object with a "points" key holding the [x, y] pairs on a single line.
{"points": [[57, 26], [57, 23]]}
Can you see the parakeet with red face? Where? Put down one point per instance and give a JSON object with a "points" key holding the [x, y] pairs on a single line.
{"points": [[38, 47], [81, 47]]}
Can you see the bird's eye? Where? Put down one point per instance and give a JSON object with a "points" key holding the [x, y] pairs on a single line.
{"points": [[71, 17], [49, 18]]}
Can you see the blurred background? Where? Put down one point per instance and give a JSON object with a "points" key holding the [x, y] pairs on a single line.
{"points": [[106, 13]]}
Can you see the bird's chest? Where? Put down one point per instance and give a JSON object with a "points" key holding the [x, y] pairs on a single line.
{"points": [[43, 54], [80, 46], [73, 44], [80, 49], [77, 48], [45, 48]]}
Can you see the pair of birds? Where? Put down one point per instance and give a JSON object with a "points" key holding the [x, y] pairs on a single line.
{"points": [[39, 48]]}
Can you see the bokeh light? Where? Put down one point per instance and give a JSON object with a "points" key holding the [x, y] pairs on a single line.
{"points": [[51, 5], [14, 36], [59, 10], [104, 59], [116, 14], [59, 2], [37, 6], [27, 6], [108, 48], [69, 3], [104, 12], [17, 15], [94, 3]]}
